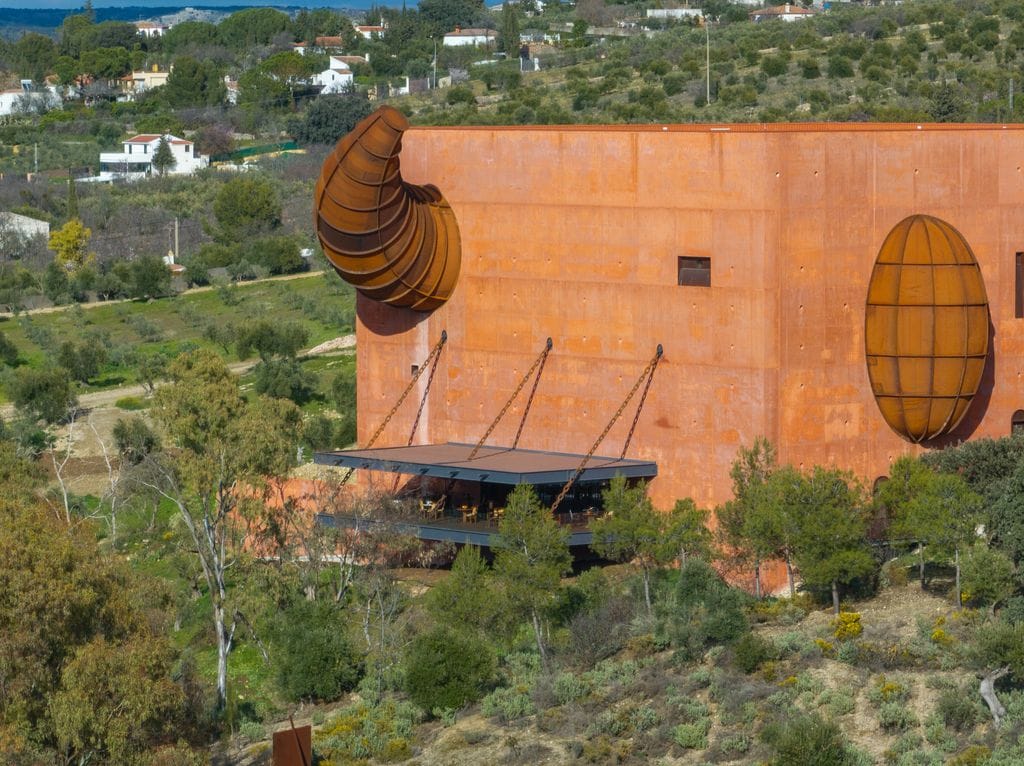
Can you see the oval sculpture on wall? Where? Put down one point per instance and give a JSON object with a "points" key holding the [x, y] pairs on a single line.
{"points": [[926, 328], [395, 242]]}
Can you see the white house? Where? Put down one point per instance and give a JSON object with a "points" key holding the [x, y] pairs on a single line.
{"points": [[534, 8], [337, 78], [371, 31], [136, 160], [28, 99], [785, 12], [674, 13], [151, 28], [470, 37]]}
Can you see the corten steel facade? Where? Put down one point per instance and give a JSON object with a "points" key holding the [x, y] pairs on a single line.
{"points": [[576, 233]]}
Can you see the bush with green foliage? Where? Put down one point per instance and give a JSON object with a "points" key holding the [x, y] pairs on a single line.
{"points": [[508, 704], [447, 670], [361, 732], [329, 118], [809, 740], [751, 651], [706, 610], [283, 379], [958, 709], [313, 657], [45, 393]]}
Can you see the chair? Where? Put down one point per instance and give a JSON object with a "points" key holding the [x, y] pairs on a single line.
{"points": [[497, 514], [469, 513], [432, 509]]}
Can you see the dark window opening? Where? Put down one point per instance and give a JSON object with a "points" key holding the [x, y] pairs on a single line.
{"points": [[1018, 287], [415, 368], [694, 272], [1017, 423]]}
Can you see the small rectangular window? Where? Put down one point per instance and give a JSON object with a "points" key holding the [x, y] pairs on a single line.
{"points": [[414, 369], [1018, 287], [694, 271]]}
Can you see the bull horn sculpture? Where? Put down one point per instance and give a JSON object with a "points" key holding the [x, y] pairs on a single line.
{"points": [[395, 242]]}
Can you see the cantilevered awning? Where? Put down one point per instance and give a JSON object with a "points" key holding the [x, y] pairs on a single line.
{"points": [[495, 465]]}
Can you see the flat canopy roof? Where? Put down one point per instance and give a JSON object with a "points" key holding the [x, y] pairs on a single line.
{"points": [[495, 465]]}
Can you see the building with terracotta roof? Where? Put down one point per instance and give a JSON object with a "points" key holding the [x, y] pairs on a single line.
{"points": [[470, 36], [151, 28], [337, 78], [371, 31], [329, 43]]}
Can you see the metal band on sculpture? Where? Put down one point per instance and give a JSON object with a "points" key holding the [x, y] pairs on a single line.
{"points": [[395, 242], [926, 329]]}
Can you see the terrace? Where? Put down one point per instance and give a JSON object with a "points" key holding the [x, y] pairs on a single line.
{"points": [[456, 492]]}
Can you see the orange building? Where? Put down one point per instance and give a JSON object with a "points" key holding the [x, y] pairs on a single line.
{"points": [[745, 250]]}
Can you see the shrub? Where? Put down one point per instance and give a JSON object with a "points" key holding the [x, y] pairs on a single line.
{"points": [[846, 626], [809, 69], [445, 669], [887, 690], [508, 704], [315, 660], [644, 718], [361, 732], [751, 651], [957, 710], [461, 94], [809, 741], [839, 702], [895, 716], [692, 736], [839, 66], [569, 688], [974, 755], [283, 379], [134, 439], [132, 403], [773, 66], [894, 574], [707, 610]]}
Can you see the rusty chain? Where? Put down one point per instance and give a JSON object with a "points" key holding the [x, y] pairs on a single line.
{"points": [[538, 362], [434, 352], [647, 373], [423, 400]]}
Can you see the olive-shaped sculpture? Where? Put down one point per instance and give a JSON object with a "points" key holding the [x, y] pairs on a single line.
{"points": [[926, 328], [395, 242]]}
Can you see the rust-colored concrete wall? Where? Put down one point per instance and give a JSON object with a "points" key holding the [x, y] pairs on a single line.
{"points": [[574, 233]]}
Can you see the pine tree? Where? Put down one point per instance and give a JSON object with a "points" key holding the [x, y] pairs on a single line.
{"points": [[163, 158], [509, 29]]}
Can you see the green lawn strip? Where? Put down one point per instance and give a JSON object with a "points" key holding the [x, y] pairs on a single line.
{"points": [[171, 325]]}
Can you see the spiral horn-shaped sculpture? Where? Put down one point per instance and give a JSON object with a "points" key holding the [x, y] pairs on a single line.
{"points": [[395, 242]]}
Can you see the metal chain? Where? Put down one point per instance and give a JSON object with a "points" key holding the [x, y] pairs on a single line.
{"points": [[647, 373], [423, 399], [640, 405], [435, 351], [494, 423], [529, 399]]}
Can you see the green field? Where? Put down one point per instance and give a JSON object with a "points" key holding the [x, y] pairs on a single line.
{"points": [[322, 303]]}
